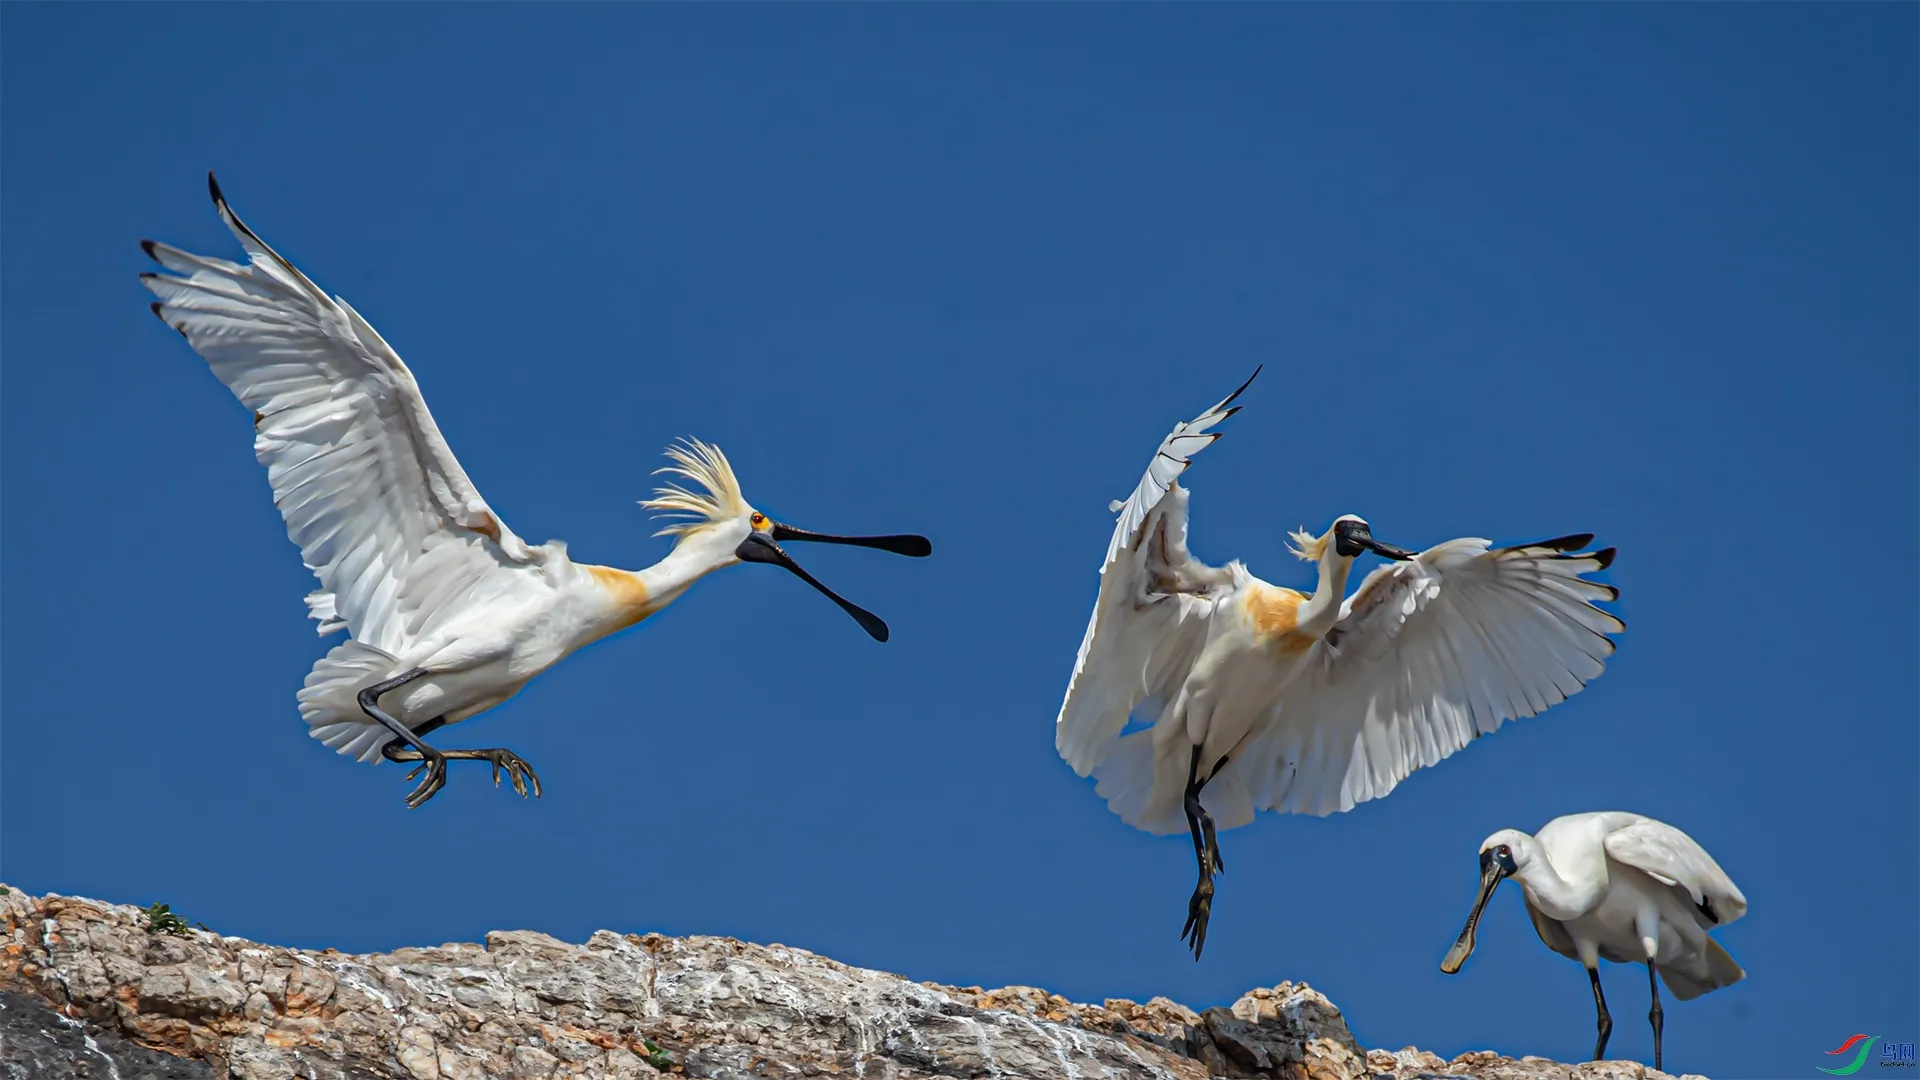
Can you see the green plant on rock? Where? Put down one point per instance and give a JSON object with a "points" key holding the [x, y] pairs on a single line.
{"points": [[162, 920], [658, 1056]]}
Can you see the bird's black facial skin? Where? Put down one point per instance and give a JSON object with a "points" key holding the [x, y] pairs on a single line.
{"points": [[1501, 857], [1496, 863], [764, 547], [1351, 537]]}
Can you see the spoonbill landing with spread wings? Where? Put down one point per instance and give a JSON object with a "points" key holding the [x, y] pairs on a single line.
{"points": [[1616, 886], [449, 613], [1261, 697]]}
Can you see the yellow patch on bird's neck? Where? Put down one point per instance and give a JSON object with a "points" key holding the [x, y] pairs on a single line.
{"points": [[625, 590], [1275, 614]]}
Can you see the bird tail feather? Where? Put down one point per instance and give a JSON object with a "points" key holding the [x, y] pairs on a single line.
{"points": [[1128, 778], [329, 705], [1145, 789], [1715, 970]]}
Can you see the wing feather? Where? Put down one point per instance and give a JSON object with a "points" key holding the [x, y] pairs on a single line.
{"points": [[367, 485], [1674, 858], [1150, 619], [1428, 655], [1169, 461]]}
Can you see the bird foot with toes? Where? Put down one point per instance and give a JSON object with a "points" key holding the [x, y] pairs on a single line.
{"points": [[436, 770], [1199, 910], [435, 766], [518, 770]]}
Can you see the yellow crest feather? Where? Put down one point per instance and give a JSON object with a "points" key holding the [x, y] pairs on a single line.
{"points": [[1306, 547], [704, 464]]}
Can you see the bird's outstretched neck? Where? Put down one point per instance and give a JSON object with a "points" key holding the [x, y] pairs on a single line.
{"points": [[632, 595], [1321, 610]]}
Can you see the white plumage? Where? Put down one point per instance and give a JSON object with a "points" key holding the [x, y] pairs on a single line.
{"points": [[442, 600], [1622, 887], [1427, 656], [1263, 697]]}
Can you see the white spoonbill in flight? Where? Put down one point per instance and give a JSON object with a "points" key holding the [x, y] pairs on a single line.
{"points": [[1616, 886], [1262, 697], [449, 613]]}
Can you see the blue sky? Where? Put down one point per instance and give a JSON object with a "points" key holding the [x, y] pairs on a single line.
{"points": [[1514, 272]]}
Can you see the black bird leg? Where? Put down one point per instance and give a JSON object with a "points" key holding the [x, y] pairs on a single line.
{"points": [[1206, 824], [434, 762], [1206, 851], [1606, 1021], [1653, 984]]}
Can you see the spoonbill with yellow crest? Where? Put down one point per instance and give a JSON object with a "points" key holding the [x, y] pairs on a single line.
{"points": [[1261, 697], [449, 612]]}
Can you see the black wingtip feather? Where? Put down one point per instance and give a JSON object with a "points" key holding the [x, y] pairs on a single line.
{"points": [[1242, 389], [232, 219], [147, 246], [1565, 543], [161, 315], [1604, 557]]}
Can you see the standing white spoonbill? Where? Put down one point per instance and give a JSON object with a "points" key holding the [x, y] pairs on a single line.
{"points": [[1261, 697], [1616, 886], [450, 613]]}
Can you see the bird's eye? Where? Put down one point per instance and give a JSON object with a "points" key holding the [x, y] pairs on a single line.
{"points": [[1506, 852], [758, 519]]}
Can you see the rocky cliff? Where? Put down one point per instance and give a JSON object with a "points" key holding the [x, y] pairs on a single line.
{"points": [[89, 989]]}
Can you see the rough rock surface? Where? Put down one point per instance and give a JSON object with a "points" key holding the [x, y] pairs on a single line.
{"points": [[87, 990]]}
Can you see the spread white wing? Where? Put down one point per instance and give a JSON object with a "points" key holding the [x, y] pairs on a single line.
{"points": [[1149, 622], [1428, 655], [1674, 858], [382, 512]]}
